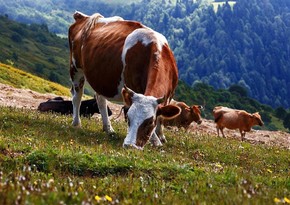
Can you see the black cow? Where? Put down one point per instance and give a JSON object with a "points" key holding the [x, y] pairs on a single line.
{"points": [[65, 107]]}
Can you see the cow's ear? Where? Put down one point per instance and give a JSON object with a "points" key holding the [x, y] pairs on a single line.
{"points": [[168, 111], [189, 109], [127, 95]]}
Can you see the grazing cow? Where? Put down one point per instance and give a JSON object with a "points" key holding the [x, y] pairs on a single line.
{"points": [[65, 107], [235, 119], [187, 116], [110, 53]]}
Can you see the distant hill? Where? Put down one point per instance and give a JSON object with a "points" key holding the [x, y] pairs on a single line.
{"points": [[56, 14], [34, 49]]}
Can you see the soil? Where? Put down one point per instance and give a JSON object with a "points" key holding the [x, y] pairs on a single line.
{"points": [[25, 98]]}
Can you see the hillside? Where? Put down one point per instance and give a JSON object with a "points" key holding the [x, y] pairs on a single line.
{"points": [[245, 43], [56, 14], [44, 160], [21, 79], [34, 49]]}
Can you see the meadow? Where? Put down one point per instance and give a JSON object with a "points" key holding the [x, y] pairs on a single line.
{"points": [[44, 160]]}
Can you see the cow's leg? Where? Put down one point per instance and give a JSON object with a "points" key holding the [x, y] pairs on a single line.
{"points": [[222, 131], [154, 140], [218, 131], [159, 130], [77, 91], [243, 134], [102, 104]]}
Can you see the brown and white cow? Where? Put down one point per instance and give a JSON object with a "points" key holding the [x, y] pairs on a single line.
{"points": [[186, 117], [235, 119], [110, 53]]}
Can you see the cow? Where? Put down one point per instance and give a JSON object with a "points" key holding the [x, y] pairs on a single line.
{"points": [[186, 117], [65, 107], [235, 119], [123, 61]]}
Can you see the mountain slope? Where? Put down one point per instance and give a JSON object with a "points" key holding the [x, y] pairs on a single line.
{"points": [[34, 49]]}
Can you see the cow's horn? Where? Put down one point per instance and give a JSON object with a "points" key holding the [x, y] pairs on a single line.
{"points": [[130, 92]]}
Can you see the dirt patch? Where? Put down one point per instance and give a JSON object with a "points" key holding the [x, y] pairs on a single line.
{"points": [[25, 98]]}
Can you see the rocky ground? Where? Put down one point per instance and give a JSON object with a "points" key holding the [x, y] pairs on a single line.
{"points": [[24, 98]]}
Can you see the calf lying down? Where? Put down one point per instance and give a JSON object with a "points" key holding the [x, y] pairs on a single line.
{"points": [[65, 107]]}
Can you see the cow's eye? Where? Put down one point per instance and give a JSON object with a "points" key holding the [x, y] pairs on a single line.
{"points": [[151, 121]]}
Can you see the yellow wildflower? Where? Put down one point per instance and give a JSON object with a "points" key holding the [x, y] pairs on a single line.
{"points": [[287, 200], [218, 165], [269, 170], [276, 200], [108, 198], [97, 198]]}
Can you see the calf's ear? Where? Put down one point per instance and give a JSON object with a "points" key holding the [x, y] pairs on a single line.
{"points": [[168, 111]]}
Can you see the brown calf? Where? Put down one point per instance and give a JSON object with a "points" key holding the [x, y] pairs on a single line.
{"points": [[235, 119], [186, 117]]}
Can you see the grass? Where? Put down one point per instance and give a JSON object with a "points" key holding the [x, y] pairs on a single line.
{"points": [[44, 160]]}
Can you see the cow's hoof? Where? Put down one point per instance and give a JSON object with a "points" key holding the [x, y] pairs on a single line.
{"points": [[156, 143], [132, 146], [163, 140], [108, 129], [77, 125], [112, 134]]}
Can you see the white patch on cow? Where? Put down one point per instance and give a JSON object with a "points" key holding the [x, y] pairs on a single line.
{"points": [[145, 36], [73, 61], [142, 108], [110, 19], [82, 14]]}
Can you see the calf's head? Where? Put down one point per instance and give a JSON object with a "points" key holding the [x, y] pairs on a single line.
{"points": [[196, 114], [142, 113], [257, 120]]}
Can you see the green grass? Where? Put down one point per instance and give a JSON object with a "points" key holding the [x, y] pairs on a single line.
{"points": [[44, 160], [21, 79]]}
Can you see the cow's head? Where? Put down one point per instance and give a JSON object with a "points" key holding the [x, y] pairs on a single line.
{"points": [[257, 120], [142, 113]]}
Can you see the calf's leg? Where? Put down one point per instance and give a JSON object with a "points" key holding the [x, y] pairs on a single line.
{"points": [[222, 131], [243, 134]]}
